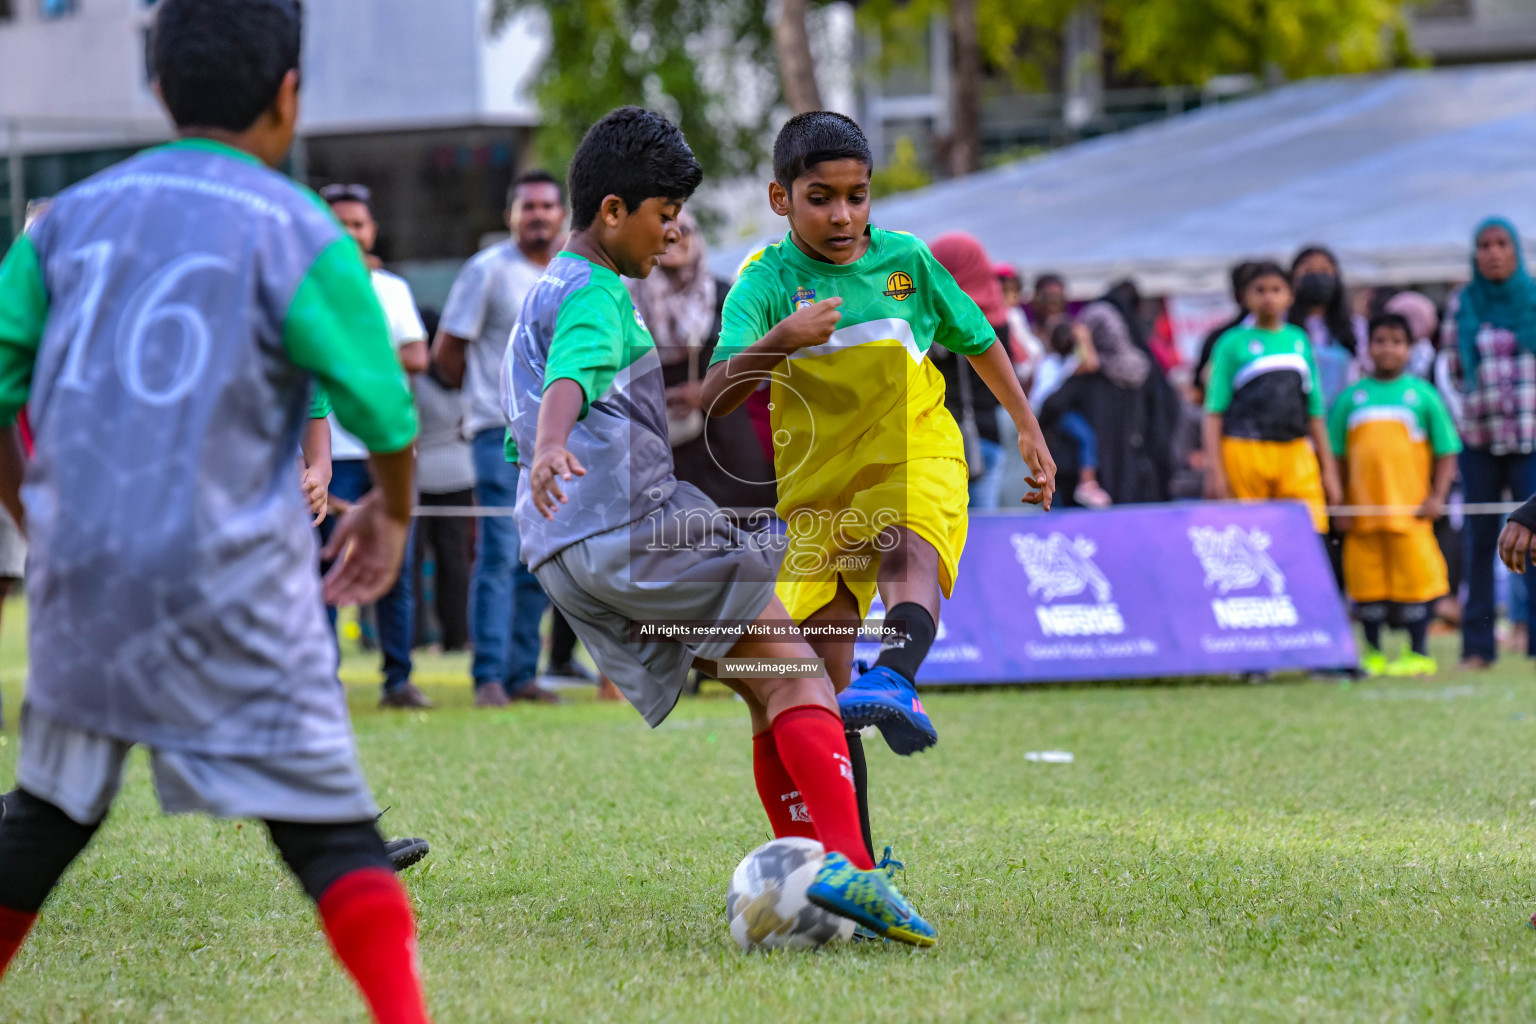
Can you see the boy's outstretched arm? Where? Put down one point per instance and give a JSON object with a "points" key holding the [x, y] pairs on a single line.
{"points": [[730, 381], [996, 371], [559, 410]]}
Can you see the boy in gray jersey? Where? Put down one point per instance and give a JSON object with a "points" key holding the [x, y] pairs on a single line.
{"points": [[164, 325], [621, 546]]}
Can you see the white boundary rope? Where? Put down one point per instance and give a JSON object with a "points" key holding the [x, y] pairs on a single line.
{"points": [[1487, 508]]}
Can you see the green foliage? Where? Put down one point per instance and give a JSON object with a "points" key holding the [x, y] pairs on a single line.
{"points": [[1189, 41], [1171, 42], [904, 173], [700, 62], [1295, 851], [1005, 27]]}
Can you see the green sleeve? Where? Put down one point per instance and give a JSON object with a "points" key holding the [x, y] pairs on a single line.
{"points": [[319, 404], [963, 327], [336, 330], [745, 319], [588, 344], [1218, 389], [1338, 423], [23, 312], [1315, 392], [1443, 436]]}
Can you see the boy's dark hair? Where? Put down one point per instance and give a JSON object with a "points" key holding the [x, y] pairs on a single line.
{"points": [[1265, 268], [219, 63], [814, 137], [634, 154], [534, 176], [1393, 320], [1049, 278]]}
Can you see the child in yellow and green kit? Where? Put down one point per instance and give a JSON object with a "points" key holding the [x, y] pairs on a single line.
{"points": [[1397, 445]]}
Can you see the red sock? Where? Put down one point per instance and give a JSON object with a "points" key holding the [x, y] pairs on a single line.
{"points": [[813, 751], [14, 925], [368, 919], [786, 809]]}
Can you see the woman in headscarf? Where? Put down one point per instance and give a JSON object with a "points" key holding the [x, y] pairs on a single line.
{"points": [[966, 395], [680, 303], [1490, 333], [1322, 310]]}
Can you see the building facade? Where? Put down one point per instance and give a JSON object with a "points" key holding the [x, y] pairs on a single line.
{"points": [[424, 101]]}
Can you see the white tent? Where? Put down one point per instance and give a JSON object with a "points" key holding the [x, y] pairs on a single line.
{"points": [[1391, 171]]}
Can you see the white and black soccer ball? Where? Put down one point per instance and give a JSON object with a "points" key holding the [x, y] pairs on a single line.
{"points": [[766, 904]]}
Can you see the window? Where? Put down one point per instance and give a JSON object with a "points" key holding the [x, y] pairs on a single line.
{"points": [[50, 9]]}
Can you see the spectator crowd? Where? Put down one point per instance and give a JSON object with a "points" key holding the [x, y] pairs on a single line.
{"points": [[1379, 408]]}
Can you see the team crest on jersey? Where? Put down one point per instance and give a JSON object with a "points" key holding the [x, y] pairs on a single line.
{"points": [[1256, 347], [803, 297], [640, 320], [899, 285]]}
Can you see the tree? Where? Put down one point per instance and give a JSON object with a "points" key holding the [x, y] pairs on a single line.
{"points": [[797, 70], [1190, 41], [707, 64], [1170, 42]]}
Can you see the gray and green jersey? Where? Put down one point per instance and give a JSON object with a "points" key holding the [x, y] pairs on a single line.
{"points": [[579, 324], [164, 324]]}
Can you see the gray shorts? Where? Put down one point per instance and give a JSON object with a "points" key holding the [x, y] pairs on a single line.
{"points": [[79, 772], [684, 562]]}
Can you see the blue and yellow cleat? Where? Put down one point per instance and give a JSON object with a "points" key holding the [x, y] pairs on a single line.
{"points": [[886, 699], [869, 898]]}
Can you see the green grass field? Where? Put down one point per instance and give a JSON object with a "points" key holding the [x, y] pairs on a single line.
{"points": [[1292, 851]]}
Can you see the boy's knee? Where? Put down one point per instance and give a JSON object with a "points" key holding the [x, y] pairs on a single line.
{"points": [[320, 854], [37, 843]]}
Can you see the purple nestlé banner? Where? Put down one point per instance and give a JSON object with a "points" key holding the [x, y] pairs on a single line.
{"points": [[1165, 590]]}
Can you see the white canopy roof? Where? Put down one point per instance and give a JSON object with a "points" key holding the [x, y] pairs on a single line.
{"points": [[1392, 171]]}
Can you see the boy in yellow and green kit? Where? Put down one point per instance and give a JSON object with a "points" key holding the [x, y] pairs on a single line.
{"points": [[1397, 445], [871, 469]]}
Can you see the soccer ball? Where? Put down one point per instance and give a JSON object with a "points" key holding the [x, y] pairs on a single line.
{"points": [[766, 904]]}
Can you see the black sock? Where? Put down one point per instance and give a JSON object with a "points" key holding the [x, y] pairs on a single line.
{"points": [[37, 843], [319, 854], [904, 649], [1371, 617], [562, 639], [1415, 619], [861, 786]]}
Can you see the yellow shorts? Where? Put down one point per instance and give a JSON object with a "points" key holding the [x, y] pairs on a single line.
{"points": [[838, 538], [1275, 470], [1404, 567]]}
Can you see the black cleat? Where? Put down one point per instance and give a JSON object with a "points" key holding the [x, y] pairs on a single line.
{"points": [[406, 851]]}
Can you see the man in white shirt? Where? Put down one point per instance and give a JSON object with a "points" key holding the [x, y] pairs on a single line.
{"points": [[506, 601], [396, 610]]}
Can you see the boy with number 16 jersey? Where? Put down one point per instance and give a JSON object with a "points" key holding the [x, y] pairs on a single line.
{"points": [[164, 323]]}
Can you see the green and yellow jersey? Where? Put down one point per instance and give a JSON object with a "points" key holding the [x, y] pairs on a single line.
{"points": [[1390, 432], [870, 395]]}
